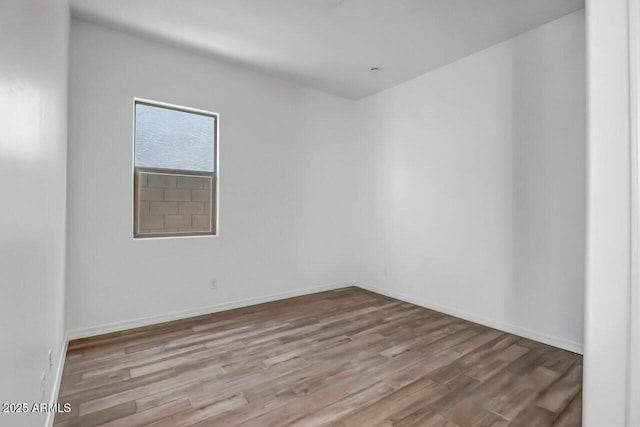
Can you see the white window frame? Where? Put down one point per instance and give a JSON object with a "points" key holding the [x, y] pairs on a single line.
{"points": [[214, 198]]}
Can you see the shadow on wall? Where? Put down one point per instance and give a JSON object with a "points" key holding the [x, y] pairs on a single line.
{"points": [[549, 178]]}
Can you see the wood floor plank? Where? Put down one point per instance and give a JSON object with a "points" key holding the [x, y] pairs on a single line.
{"points": [[572, 415], [533, 416], [471, 408], [132, 394], [510, 405], [329, 414], [375, 411], [141, 418], [99, 417], [347, 357], [557, 396], [188, 418], [403, 377], [438, 400]]}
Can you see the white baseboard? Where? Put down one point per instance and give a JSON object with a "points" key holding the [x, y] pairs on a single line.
{"points": [[178, 315], [562, 343], [57, 380]]}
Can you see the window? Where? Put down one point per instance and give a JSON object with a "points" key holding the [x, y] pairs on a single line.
{"points": [[175, 181]]}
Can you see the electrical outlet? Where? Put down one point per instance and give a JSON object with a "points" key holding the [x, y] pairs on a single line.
{"points": [[213, 285], [50, 358], [43, 385]]}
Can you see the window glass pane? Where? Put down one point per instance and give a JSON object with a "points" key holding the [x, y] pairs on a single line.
{"points": [[172, 139], [169, 204]]}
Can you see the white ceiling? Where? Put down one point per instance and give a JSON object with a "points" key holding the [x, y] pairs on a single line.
{"points": [[330, 44]]}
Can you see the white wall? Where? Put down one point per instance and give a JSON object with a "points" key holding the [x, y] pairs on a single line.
{"points": [[287, 197], [609, 220], [467, 184], [33, 149], [479, 185]]}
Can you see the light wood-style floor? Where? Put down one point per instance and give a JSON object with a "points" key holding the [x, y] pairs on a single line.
{"points": [[344, 358]]}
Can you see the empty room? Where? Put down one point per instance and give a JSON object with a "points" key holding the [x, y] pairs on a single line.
{"points": [[365, 213]]}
